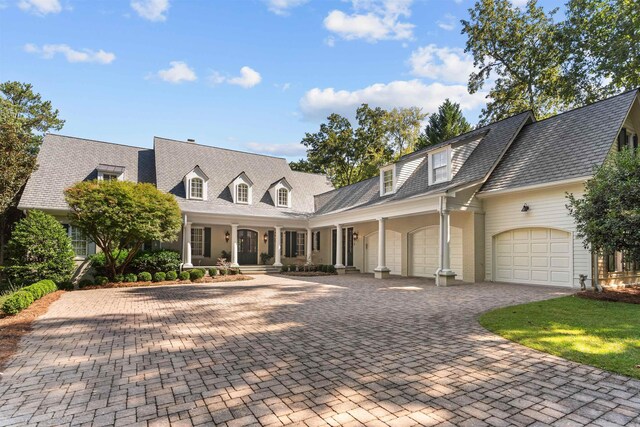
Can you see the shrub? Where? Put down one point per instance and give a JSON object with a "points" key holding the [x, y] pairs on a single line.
{"points": [[265, 258], [234, 271], [99, 261], [101, 280], [66, 285], [131, 277], [213, 272], [159, 277], [171, 275], [145, 276], [196, 273], [39, 249], [156, 261], [292, 267], [119, 278], [184, 275], [17, 302], [41, 288], [284, 269], [84, 283], [331, 269], [223, 271]]}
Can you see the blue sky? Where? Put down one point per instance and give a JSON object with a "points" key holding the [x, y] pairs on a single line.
{"points": [[245, 74]]}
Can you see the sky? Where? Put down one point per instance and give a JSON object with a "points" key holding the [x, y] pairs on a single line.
{"points": [[251, 75]]}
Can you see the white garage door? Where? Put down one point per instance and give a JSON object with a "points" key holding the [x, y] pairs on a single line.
{"points": [[533, 255], [425, 251], [393, 251]]}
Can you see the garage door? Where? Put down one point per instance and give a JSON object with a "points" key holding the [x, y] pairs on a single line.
{"points": [[393, 251], [533, 255], [425, 251]]}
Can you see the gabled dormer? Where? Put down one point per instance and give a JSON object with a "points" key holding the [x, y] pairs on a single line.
{"points": [[241, 189], [110, 172], [281, 193], [195, 184], [388, 180], [440, 165]]}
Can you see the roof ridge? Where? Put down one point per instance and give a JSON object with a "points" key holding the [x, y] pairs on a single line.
{"points": [[98, 141], [221, 148], [346, 186]]}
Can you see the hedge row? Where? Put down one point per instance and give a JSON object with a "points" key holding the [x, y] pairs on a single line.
{"points": [[145, 276], [324, 268], [23, 298]]}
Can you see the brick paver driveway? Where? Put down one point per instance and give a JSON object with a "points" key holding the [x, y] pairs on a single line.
{"points": [[271, 351]]}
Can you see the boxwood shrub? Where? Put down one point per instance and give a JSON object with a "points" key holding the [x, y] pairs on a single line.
{"points": [[156, 261], [184, 275], [101, 280], [171, 275], [223, 271], [131, 277], [145, 276], [84, 283], [159, 276], [119, 278], [17, 302], [196, 273], [213, 272]]}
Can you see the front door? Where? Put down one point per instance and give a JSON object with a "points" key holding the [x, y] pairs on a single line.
{"points": [[347, 246], [247, 247]]}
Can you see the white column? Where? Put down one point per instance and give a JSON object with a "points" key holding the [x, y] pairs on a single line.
{"points": [[278, 248], [444, 275], [381, 271], [187, 244], [308, 245], [339, 265], [234, 245]]}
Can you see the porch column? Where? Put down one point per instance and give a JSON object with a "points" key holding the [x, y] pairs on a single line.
{"points": [[339, 265], [187, 244], [381, 271], [309, 245], [234, 245], [278, 248], [444, 275]]}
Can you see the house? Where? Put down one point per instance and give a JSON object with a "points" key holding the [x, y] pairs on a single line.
{"points": [[485, 205]]}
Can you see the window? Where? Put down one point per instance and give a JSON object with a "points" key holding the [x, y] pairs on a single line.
{"points": [[109, 177], [283, 197], [439, 166], [294, 244], [242, 193], [79, 241], [388, 181], [197, 241], [300, 244], [196, 190]]}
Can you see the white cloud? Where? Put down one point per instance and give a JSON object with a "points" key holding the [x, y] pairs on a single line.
{"points": [[519, 3], [318, 103], [151, 10], [40, 7], [248, 78], [281, 150], [282, 86], [48, 51], [178, 72], [372, 20], [283, 7], [447, 23], [449, 64]]}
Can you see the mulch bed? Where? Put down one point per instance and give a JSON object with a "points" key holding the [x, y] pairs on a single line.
{"points": [[12, 328], [307, 273], [628, 295], [207, 279]]}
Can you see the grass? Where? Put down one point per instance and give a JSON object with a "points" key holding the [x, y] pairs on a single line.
{"points": [[597, 333]]}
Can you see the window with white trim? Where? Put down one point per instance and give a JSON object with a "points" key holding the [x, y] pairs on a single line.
{"points": [[79, 241], [109, 177], [387, 181], [439, 166], [242, 193], [283, 197], [196, 188], [300, 244], [197, 241]]}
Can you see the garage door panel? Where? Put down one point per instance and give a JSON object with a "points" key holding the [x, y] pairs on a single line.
{"points": [[427, 241], [559, 247], [559, 234], [541, 275], [521, 235], [539, 234], [537, 261], [561, 262], [539, 248], [521, 274], [521, 248], [393, 251], [521, 261], [505, 274]]}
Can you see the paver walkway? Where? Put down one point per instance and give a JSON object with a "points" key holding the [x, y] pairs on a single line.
{"points": [[273, 351]]}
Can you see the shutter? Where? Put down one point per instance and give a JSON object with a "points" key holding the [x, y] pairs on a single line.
{"points": [[272, 244], [287, 244], [294, 240], [207, 242], [317, 240], [66, 228], [622, 139], [635, 143]]}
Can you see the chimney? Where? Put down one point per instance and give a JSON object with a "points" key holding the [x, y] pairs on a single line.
{"points": [[193, 141]]}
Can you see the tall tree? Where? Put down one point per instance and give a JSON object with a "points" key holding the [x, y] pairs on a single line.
{"points": [[24, 119], [519, 50], [447, 123], [403, 129], [304, 165]]}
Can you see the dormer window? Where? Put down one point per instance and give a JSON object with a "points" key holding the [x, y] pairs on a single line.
{"points": [[280, 192], [110, 172], [109, 177], [195, 184], [283, 197], [387, 180], [240, 189], [196, 188], [440, 166], [242, 193]]}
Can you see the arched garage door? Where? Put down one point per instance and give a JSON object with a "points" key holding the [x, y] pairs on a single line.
{"points": [[425, 251], [539, 256], [393, 252]]}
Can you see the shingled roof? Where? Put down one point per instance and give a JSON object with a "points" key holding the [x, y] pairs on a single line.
{"points": [[562, 147], [65, 160], [174, 159]]}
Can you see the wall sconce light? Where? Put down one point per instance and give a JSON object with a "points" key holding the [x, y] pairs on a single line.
{"points": [[355, 235], [525, 208], [265, 237], [227, 236]]}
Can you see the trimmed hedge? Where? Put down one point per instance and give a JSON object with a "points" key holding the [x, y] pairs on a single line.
{"points": [[23, 298], [130, 278], [145, 276], [101, 280], [196, 273], [84, 283], [171, 275], [159, 277], [184, 275], [156, 261], [213, 271]]}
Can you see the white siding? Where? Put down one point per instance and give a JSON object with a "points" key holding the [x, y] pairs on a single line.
{"points": [[460, 155], [405, 169], [547, 210]]}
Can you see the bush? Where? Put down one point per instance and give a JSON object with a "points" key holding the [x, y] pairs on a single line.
{"points": [[234, 271], [66, 285], [331, 269], [99, 261], [184, 275], [145, 276], [159, 277], [284, 269], [171, 275], [131, 277], [213, 272], [101, 280], [119, 278], [223, 271], [292, 267], [84, 283], [196, 273], [39, 249], [17, 302], [156, 261], [41, 288]]}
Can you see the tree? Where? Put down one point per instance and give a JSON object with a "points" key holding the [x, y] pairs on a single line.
{"points": [[608, 214], [39, 249], [446, 124], [122, 215], [521, 48], [24, 119], [303, 165], [403, 129]]}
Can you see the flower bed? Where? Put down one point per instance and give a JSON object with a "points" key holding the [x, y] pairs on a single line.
{"points": [[205, 280], [629, 295]]}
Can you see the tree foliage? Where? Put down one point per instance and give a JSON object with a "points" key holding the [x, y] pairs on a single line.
{"points": [[608, 214], [122, 215], [447, 123], [39, 249]]}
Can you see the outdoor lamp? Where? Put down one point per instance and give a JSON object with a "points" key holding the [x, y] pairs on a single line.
{"points": [[525, 208], [355, 235], [265, 237], [227, 236]]}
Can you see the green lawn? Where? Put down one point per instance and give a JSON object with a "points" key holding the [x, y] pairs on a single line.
{"points": [[597, 333]]}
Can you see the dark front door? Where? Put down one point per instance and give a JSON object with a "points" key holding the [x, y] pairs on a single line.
{"points": [[347, 246], [247, 247]]}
